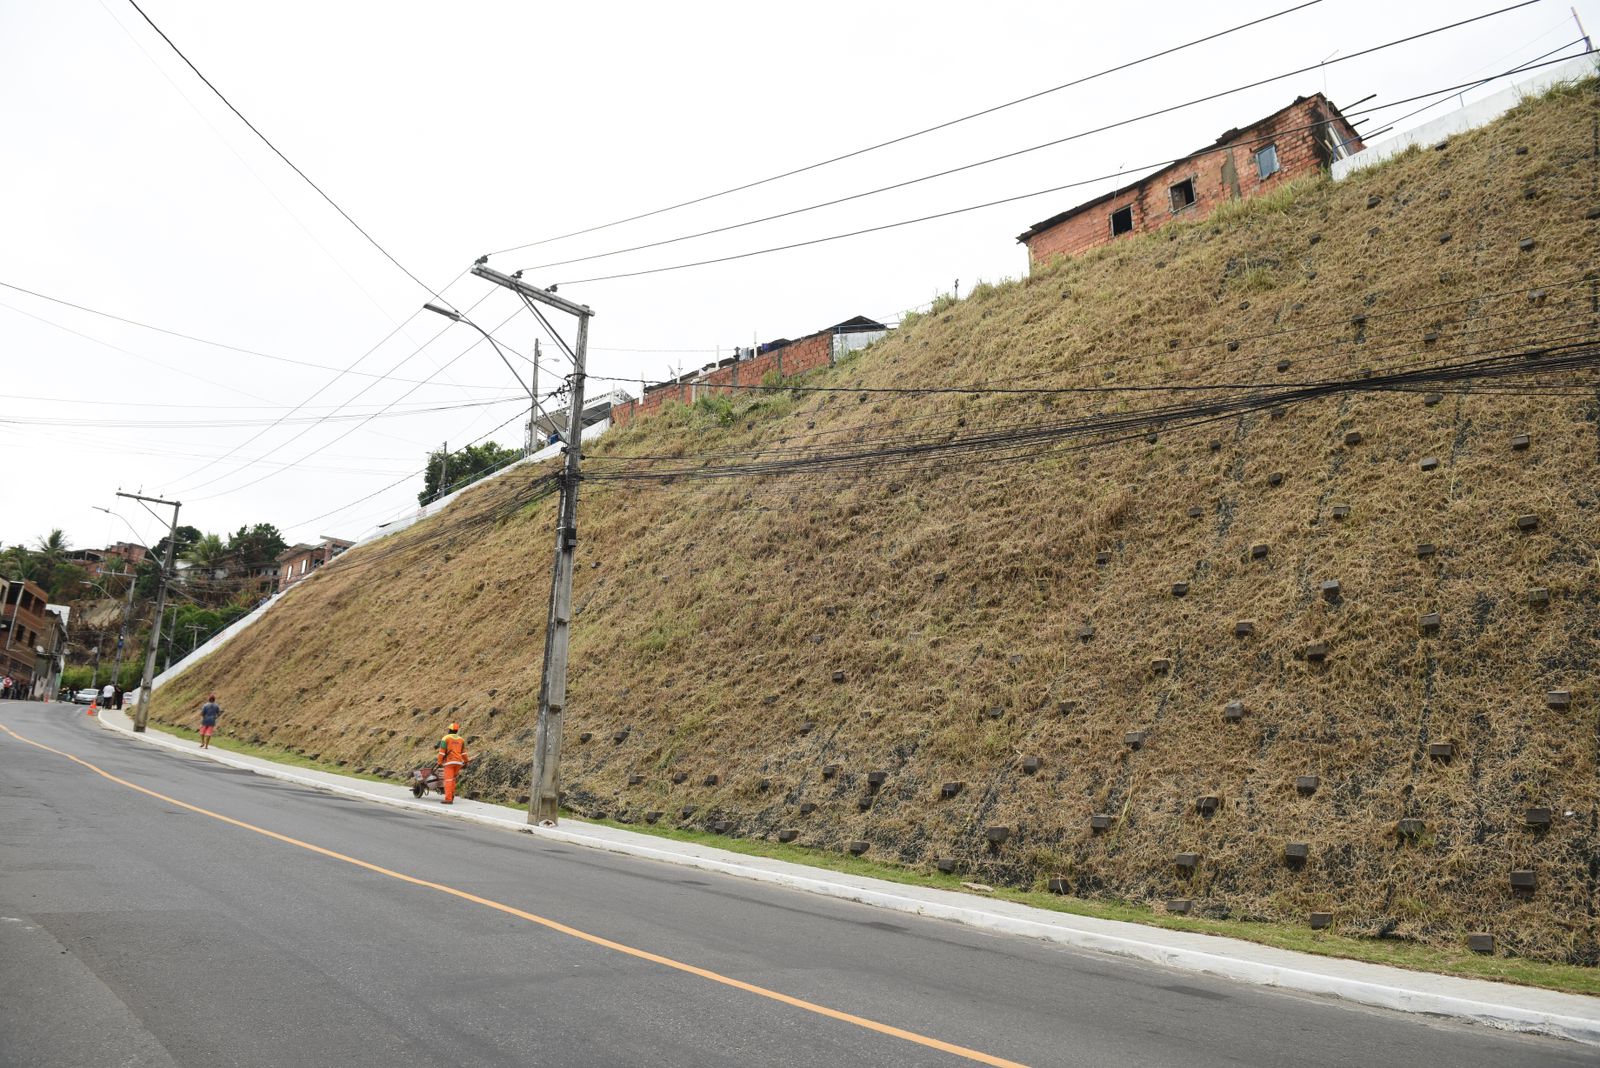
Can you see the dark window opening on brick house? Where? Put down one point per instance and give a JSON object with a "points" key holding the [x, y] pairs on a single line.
{"points": [[1182, 194], [1267, 161], [1122, 221], [1337, 147]]}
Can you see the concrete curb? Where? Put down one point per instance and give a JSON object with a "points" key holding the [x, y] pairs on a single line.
{"points": [[1567, 1016]]}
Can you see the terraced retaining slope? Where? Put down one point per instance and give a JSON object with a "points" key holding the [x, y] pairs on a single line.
{"points": [[1335, 659]]}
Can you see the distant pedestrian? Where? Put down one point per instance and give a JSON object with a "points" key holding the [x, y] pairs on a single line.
{"points": [[452, 758], [6, 685], [108, 694], [208, 720], [117, 696]]}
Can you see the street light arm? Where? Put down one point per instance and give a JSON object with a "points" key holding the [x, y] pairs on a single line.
{"points": [[151, 557], [457, 317]]}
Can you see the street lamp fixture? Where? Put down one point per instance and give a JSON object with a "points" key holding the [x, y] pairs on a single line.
{"points": [[530, 389]]}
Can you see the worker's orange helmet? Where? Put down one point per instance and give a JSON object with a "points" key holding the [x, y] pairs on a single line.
{"points": [[454, 727]]}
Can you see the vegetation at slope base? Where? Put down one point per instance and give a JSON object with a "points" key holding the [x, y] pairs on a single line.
{"points": [[749, 651]]}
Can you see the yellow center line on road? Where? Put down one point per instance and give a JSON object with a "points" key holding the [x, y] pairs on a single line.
{"points": [[606, 943]]}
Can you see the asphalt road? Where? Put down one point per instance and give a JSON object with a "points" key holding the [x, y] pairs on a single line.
{"points": [[137, 932]]}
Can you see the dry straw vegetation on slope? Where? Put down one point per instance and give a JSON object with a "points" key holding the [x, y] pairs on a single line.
{"points": [[957, 598]]}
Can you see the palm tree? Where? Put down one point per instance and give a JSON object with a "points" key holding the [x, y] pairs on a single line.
{"points": [[207, 552], [48, 556], [53, 546]]}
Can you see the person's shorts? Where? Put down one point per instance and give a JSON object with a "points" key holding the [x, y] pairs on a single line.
{"points": [[206, 732]]}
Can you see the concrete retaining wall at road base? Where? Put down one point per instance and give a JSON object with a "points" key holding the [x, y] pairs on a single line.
{"points": [[1498, 1005]]}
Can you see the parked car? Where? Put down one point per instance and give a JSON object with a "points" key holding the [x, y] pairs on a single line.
{"points": [[85, 697]]}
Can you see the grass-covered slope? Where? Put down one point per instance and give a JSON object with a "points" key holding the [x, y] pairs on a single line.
{"points": [[953, 595]]}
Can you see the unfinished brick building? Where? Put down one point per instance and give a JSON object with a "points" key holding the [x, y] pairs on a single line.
{"points": [[784, 358], [1308, 135]]}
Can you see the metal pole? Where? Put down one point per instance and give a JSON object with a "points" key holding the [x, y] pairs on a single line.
{"points": [[141, 714], [444, 470], [1587, 46]]}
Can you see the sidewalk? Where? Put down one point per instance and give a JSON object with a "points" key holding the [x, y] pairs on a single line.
{"points": [[1500, 1005]]}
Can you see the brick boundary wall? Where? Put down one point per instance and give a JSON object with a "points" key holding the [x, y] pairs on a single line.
{"points": [[795, 358]]}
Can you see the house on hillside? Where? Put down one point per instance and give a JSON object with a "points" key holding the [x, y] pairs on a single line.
{"points": [[27, 631], [783, 357], [552, 425], [132, 555], [91, 560], [1308, 135], [236, 572], [298, 561]]}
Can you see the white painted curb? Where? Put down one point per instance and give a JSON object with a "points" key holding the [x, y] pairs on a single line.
{"points": [[1503, 1016]]}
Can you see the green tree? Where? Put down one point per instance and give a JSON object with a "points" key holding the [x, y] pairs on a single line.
{"points": [[187, 536], [66, 582], [259, 544], [18, 562], [464, 468]]}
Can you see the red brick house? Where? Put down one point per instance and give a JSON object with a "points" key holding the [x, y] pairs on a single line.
{"points": [[1307, 136], [298, 561], [783, 357], [28, 633]]}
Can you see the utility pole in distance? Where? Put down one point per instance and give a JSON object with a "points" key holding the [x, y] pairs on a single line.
{"points": [[122, 635], [544, 793], [141, 713]]}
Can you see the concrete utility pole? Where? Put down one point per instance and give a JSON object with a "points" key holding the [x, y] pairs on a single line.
{"points": [[444, 470], [141, 714], [544, 793]]}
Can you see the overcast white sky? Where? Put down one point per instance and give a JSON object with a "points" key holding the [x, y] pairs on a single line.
{"points": [[452, 130]]}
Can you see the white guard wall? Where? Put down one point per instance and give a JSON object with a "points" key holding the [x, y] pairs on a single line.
{"points": [[1478, 113], [407, 518]]}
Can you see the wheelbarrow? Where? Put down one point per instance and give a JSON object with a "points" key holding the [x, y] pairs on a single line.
{"points": [[425, 779]]}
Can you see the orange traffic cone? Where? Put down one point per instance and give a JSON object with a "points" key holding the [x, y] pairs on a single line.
{"points": [[92, 707]]}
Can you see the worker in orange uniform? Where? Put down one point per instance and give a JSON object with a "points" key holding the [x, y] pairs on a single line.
{"points": [[452, 758]]}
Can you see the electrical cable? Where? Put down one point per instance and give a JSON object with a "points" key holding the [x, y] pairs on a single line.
{"points": [[1058, 141], [475, 343], [1520, 342], [327, 385], [291, 164], [992, 445], [918, 133], [212, 424], [1010, 155], [987, 388], [207, 341], [880, 227]]}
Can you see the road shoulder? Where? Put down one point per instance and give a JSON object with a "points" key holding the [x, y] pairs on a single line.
{"points": [[1499, 1005]]}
